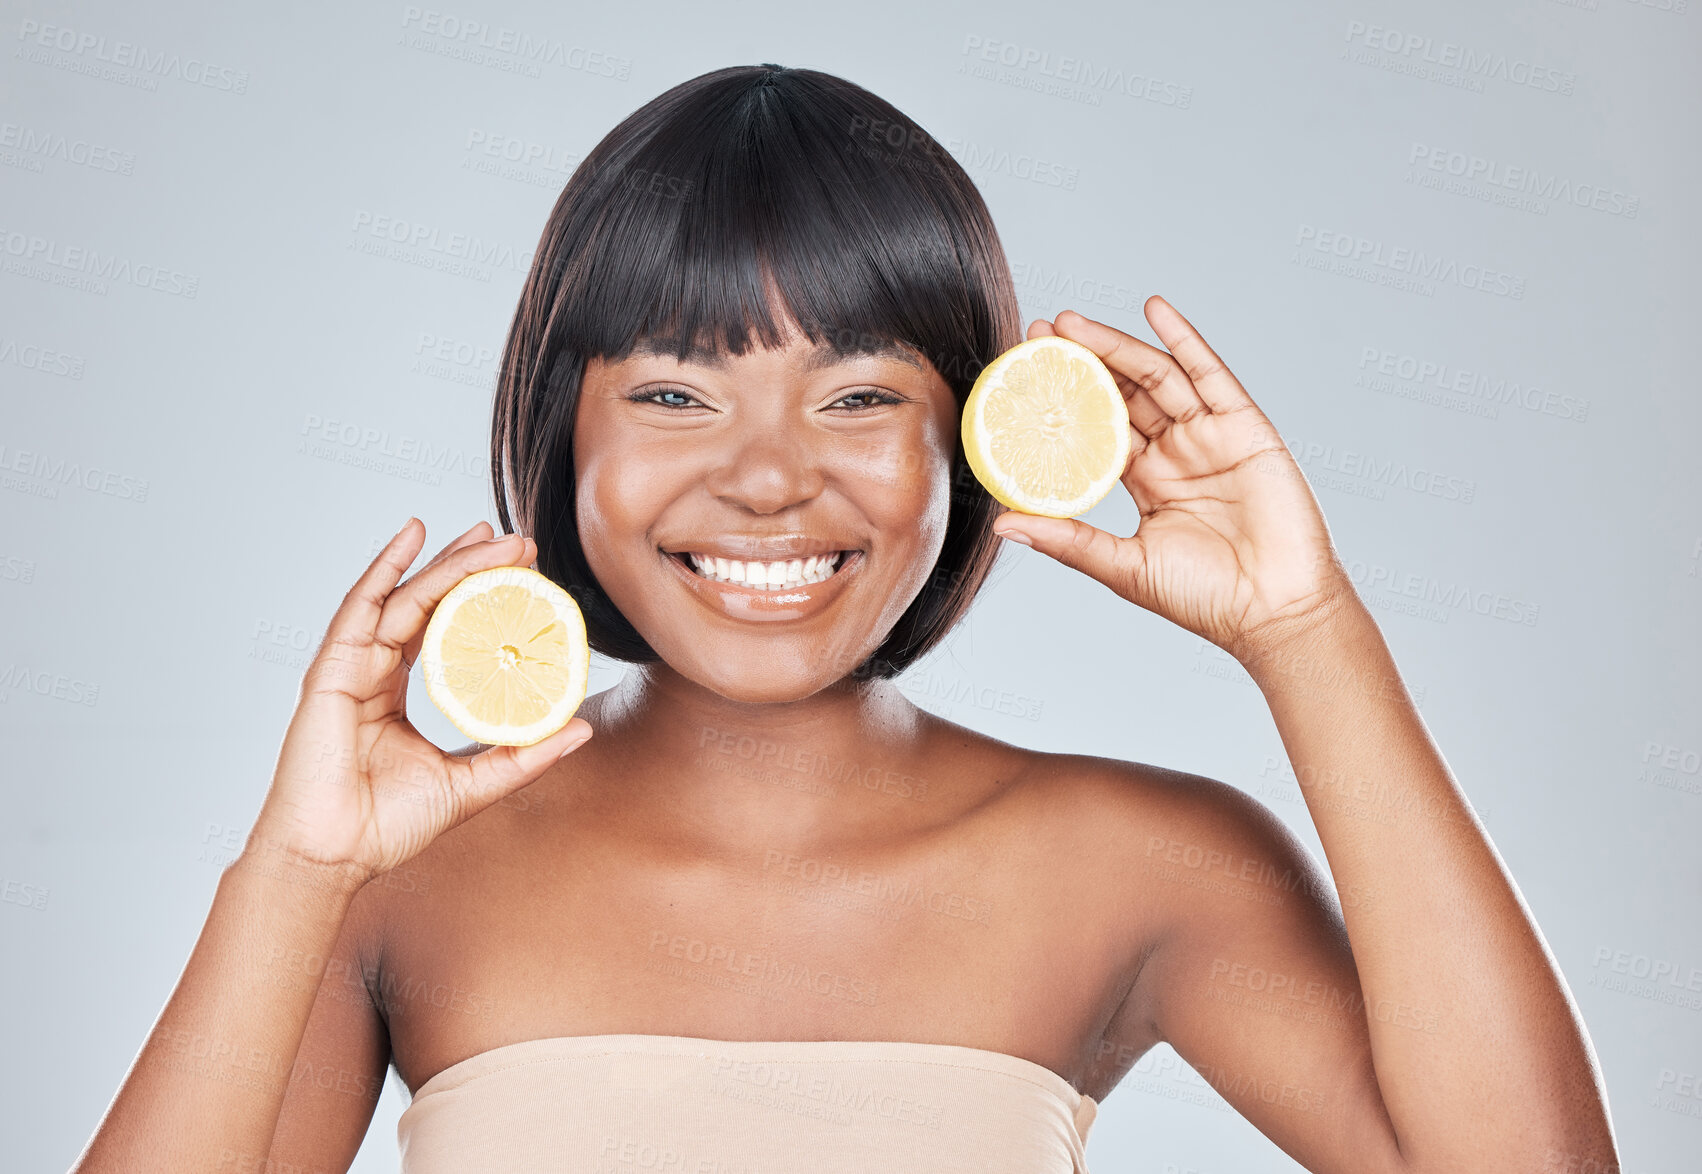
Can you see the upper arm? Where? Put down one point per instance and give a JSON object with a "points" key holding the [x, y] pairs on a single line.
{"points": [[339, 1068], [1250, 978]]}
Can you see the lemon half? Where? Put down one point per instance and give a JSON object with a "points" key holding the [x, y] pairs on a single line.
{"points": [[505, 656], [1045, 428]]}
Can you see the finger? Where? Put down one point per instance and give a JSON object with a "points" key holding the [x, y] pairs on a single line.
{"points": [[1208, 374], [1148, 418], [502, 770], [402, 624], [1040, 328], [1115, 562], [468, 536], [478, 532], [357, 617], [1137, 445], [1156, 372]]}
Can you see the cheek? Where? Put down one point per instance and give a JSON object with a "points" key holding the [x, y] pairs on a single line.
{"points": [[613, 507], [911, 486]]}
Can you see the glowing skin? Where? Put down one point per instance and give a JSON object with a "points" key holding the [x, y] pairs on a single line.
{"points": [[790, 446]]}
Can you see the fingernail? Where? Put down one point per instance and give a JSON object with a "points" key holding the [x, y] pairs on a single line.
{"points": [[1015, 536]]}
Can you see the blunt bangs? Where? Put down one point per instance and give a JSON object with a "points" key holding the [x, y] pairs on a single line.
{"points": [[726, 209]]}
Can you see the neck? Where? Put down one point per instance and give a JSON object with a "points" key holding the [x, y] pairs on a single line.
{"points": [[837, 765]]}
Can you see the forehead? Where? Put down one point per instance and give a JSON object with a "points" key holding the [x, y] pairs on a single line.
{"points": [[813, 356]]}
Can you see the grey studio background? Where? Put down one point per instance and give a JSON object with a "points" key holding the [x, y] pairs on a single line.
{"points": [[255, 270]]}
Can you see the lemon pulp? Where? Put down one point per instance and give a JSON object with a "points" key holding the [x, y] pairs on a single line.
{"points": [[505, 656], [1046, 429]]}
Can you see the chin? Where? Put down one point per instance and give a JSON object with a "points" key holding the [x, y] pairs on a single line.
{"points": [[765, 687]]}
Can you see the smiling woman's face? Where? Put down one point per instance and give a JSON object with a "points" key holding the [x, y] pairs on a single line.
{"points": [[771, 457]]}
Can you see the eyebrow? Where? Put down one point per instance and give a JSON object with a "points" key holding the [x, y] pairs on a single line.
{"points": [[822, 356]]}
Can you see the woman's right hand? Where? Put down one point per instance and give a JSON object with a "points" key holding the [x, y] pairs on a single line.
{"points": [[357, 788]]}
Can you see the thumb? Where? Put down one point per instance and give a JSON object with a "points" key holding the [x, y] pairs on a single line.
{"points": [[502, 770], [1115, 562]]}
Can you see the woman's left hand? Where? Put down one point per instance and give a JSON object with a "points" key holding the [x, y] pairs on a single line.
{"points": [[1231, 544]]}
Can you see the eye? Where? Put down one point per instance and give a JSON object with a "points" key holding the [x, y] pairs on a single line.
{"points": [[879, 397], [673, 397], [649, 397]]}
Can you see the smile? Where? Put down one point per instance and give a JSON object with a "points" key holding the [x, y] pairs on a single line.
{"points": [[790, 589], [766, 576]]}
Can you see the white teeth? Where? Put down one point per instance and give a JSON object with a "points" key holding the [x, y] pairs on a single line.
{"points": [[772, 576]]}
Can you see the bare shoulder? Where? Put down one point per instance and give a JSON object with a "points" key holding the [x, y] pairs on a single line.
{"points": [[1156, 813], [1170, 850]]}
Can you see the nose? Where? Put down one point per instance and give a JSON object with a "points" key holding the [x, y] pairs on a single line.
{"points": [[769, 466]]}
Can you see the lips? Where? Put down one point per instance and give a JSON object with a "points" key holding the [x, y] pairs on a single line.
{"points": [[775, 548], [739, 600]]}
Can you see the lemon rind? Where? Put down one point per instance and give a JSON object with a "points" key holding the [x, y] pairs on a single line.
{"points": [[431, 658]]}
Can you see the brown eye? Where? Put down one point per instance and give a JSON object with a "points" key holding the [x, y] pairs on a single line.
{"points": [[879, 397]]}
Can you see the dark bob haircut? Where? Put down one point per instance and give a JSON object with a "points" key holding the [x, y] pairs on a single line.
{"points": [[739, 186]]}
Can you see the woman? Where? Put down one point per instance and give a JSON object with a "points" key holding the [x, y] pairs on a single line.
{"points": [[774, 915]]}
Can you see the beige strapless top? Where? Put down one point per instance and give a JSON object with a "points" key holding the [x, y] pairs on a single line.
{"points": [[669, 1104]]}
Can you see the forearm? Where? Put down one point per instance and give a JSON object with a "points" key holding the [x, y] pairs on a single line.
{"points": [[211, 1077], [1480, 1055]]}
